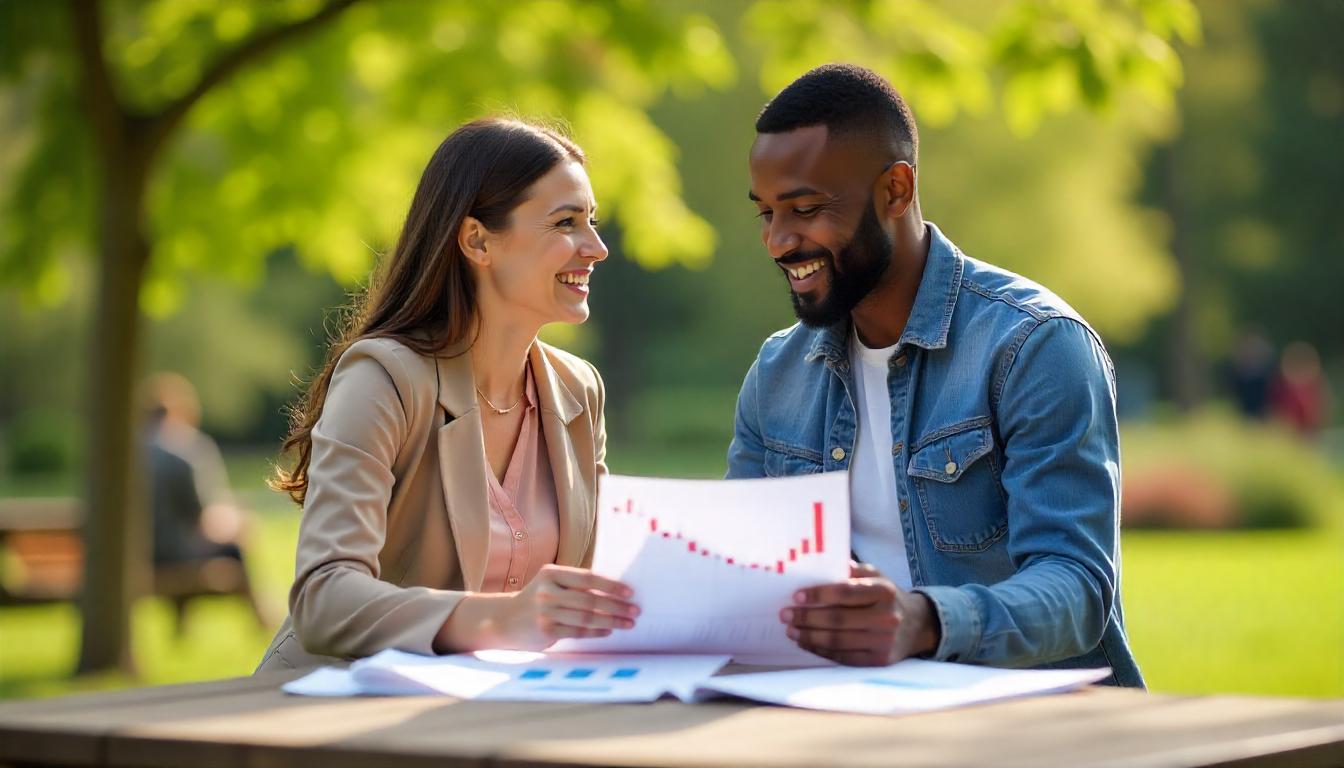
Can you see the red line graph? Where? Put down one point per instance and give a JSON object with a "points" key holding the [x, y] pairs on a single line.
{"points": [[807, 545]]}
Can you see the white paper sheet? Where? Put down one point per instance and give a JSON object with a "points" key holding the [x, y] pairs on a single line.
{"points": [[712, 562], [913, 685], [516, 676]]}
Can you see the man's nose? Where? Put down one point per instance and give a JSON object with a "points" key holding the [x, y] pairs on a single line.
{"points": [[781, 241]]}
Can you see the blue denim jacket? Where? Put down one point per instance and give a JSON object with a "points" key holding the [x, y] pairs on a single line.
{"points": [[1006, 452]]}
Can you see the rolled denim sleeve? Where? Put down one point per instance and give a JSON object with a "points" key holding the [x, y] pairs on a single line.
{"points": [[746, 453], [1061, 475]]}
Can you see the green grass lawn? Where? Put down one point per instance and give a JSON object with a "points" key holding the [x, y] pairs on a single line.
{"points": [[1254, 612]]}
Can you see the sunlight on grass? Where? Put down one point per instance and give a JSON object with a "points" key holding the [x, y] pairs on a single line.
{"points": [[1246, 612]]}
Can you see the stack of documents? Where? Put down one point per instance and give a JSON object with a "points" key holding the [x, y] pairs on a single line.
{"points": [[515, 676], [913, 685], [910, 686]]}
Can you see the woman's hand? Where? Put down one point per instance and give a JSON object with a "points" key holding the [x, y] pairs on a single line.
{"points": [[560, 602]]}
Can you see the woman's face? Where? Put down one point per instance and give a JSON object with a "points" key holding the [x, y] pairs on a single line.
{"points": [[539, 267]]}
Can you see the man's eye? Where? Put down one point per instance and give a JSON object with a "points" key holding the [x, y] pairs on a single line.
{"points": [[808, 211], [767, 213]]}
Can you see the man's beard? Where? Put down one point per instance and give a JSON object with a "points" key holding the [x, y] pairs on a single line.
{"points": [[863, 262]]}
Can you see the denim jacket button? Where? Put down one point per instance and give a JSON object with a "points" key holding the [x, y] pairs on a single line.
{"points": [[896, 449], [838, 453], [951, 468]]}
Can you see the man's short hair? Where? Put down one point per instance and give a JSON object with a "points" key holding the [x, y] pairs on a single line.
{"points": [[848, 100]]}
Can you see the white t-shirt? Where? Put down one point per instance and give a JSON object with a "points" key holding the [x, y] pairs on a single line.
{"points": [[875, 512]]}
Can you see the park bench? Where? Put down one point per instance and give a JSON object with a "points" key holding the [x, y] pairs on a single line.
{"points": [[43, 560]]}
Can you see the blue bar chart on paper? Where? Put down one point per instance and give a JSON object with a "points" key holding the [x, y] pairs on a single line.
{"points": [[521, 675], [506, 675]]}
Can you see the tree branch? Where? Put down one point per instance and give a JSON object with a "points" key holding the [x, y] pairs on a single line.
{"points": [[166, 121], [100, 96]]}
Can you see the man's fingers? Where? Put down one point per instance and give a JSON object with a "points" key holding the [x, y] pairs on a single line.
{"points": [[867, 618], [832, 640], [863, 571], [851, 658], [580, 579], [855, 593]]}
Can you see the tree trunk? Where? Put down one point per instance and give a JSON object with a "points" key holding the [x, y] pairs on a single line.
{"points": [[1184, 354], [115, 534], [116, 540]]}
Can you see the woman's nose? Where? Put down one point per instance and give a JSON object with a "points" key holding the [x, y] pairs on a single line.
{"points": [[594, 248]]}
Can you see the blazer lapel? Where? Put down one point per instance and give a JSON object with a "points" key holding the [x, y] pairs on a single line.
{"points": [[462, 468], [575, 497]]}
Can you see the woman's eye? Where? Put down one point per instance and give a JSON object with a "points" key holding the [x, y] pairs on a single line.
{"points": [[568, 221], [593, 222]]}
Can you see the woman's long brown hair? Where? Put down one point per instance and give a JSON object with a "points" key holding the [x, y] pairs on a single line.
{"points": [[424, 295]]}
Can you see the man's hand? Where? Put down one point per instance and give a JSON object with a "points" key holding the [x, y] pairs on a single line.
{"points": [[866, 621]]}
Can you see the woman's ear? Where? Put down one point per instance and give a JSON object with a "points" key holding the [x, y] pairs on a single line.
{"points": [[471, 238]]}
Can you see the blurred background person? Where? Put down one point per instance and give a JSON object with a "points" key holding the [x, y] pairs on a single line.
{"points": [[197, 527], [1300, 395], [1250, 373]]}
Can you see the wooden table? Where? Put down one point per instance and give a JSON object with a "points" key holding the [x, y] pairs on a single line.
{"points": [[249, 722]]}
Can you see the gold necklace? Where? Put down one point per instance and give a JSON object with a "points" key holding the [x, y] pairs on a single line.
{"points": [[497, 409]]}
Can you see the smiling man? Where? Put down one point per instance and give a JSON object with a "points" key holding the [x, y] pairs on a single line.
{"points": [[973, 409]]}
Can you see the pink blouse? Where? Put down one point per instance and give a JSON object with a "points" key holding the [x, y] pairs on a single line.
{"points": [[524, 519]]}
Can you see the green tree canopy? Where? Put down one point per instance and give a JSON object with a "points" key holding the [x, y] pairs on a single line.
{"points": [[175, 136]]}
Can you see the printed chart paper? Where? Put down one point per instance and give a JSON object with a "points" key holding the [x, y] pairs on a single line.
{"points": [[712, 562], [913, 685], [515, 676]]}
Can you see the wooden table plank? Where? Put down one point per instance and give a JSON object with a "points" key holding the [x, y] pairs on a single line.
{"points": [[249, 722], [1093, 728], [71, 730]]}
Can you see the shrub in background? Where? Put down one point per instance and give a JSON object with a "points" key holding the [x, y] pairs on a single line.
{"points": [[1216, 470], [43, 442]]}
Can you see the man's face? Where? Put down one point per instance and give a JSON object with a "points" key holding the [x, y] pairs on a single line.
{"points": [[818, 220]]}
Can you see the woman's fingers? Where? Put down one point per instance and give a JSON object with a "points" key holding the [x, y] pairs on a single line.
{"points": [[585, 592], [592, 602], [588, 619], [585, 580], [560, 631]]}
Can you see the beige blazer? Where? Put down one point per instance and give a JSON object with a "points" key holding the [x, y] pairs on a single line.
{"points": [[396, 519]]}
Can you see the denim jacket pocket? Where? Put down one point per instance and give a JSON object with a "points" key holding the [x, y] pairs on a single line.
{"points": [[955, 475], [783, 460]]}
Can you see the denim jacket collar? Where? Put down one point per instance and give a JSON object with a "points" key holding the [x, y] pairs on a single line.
{"points": [[930, 317]]}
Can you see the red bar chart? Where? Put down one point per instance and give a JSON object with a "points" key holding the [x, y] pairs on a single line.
{"points": [[809, 546]]}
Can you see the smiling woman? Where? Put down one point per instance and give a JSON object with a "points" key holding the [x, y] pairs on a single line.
{"points": [[446, 460]]}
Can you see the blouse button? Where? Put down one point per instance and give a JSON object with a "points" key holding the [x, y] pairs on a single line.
{"points": [[519, 535]]}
